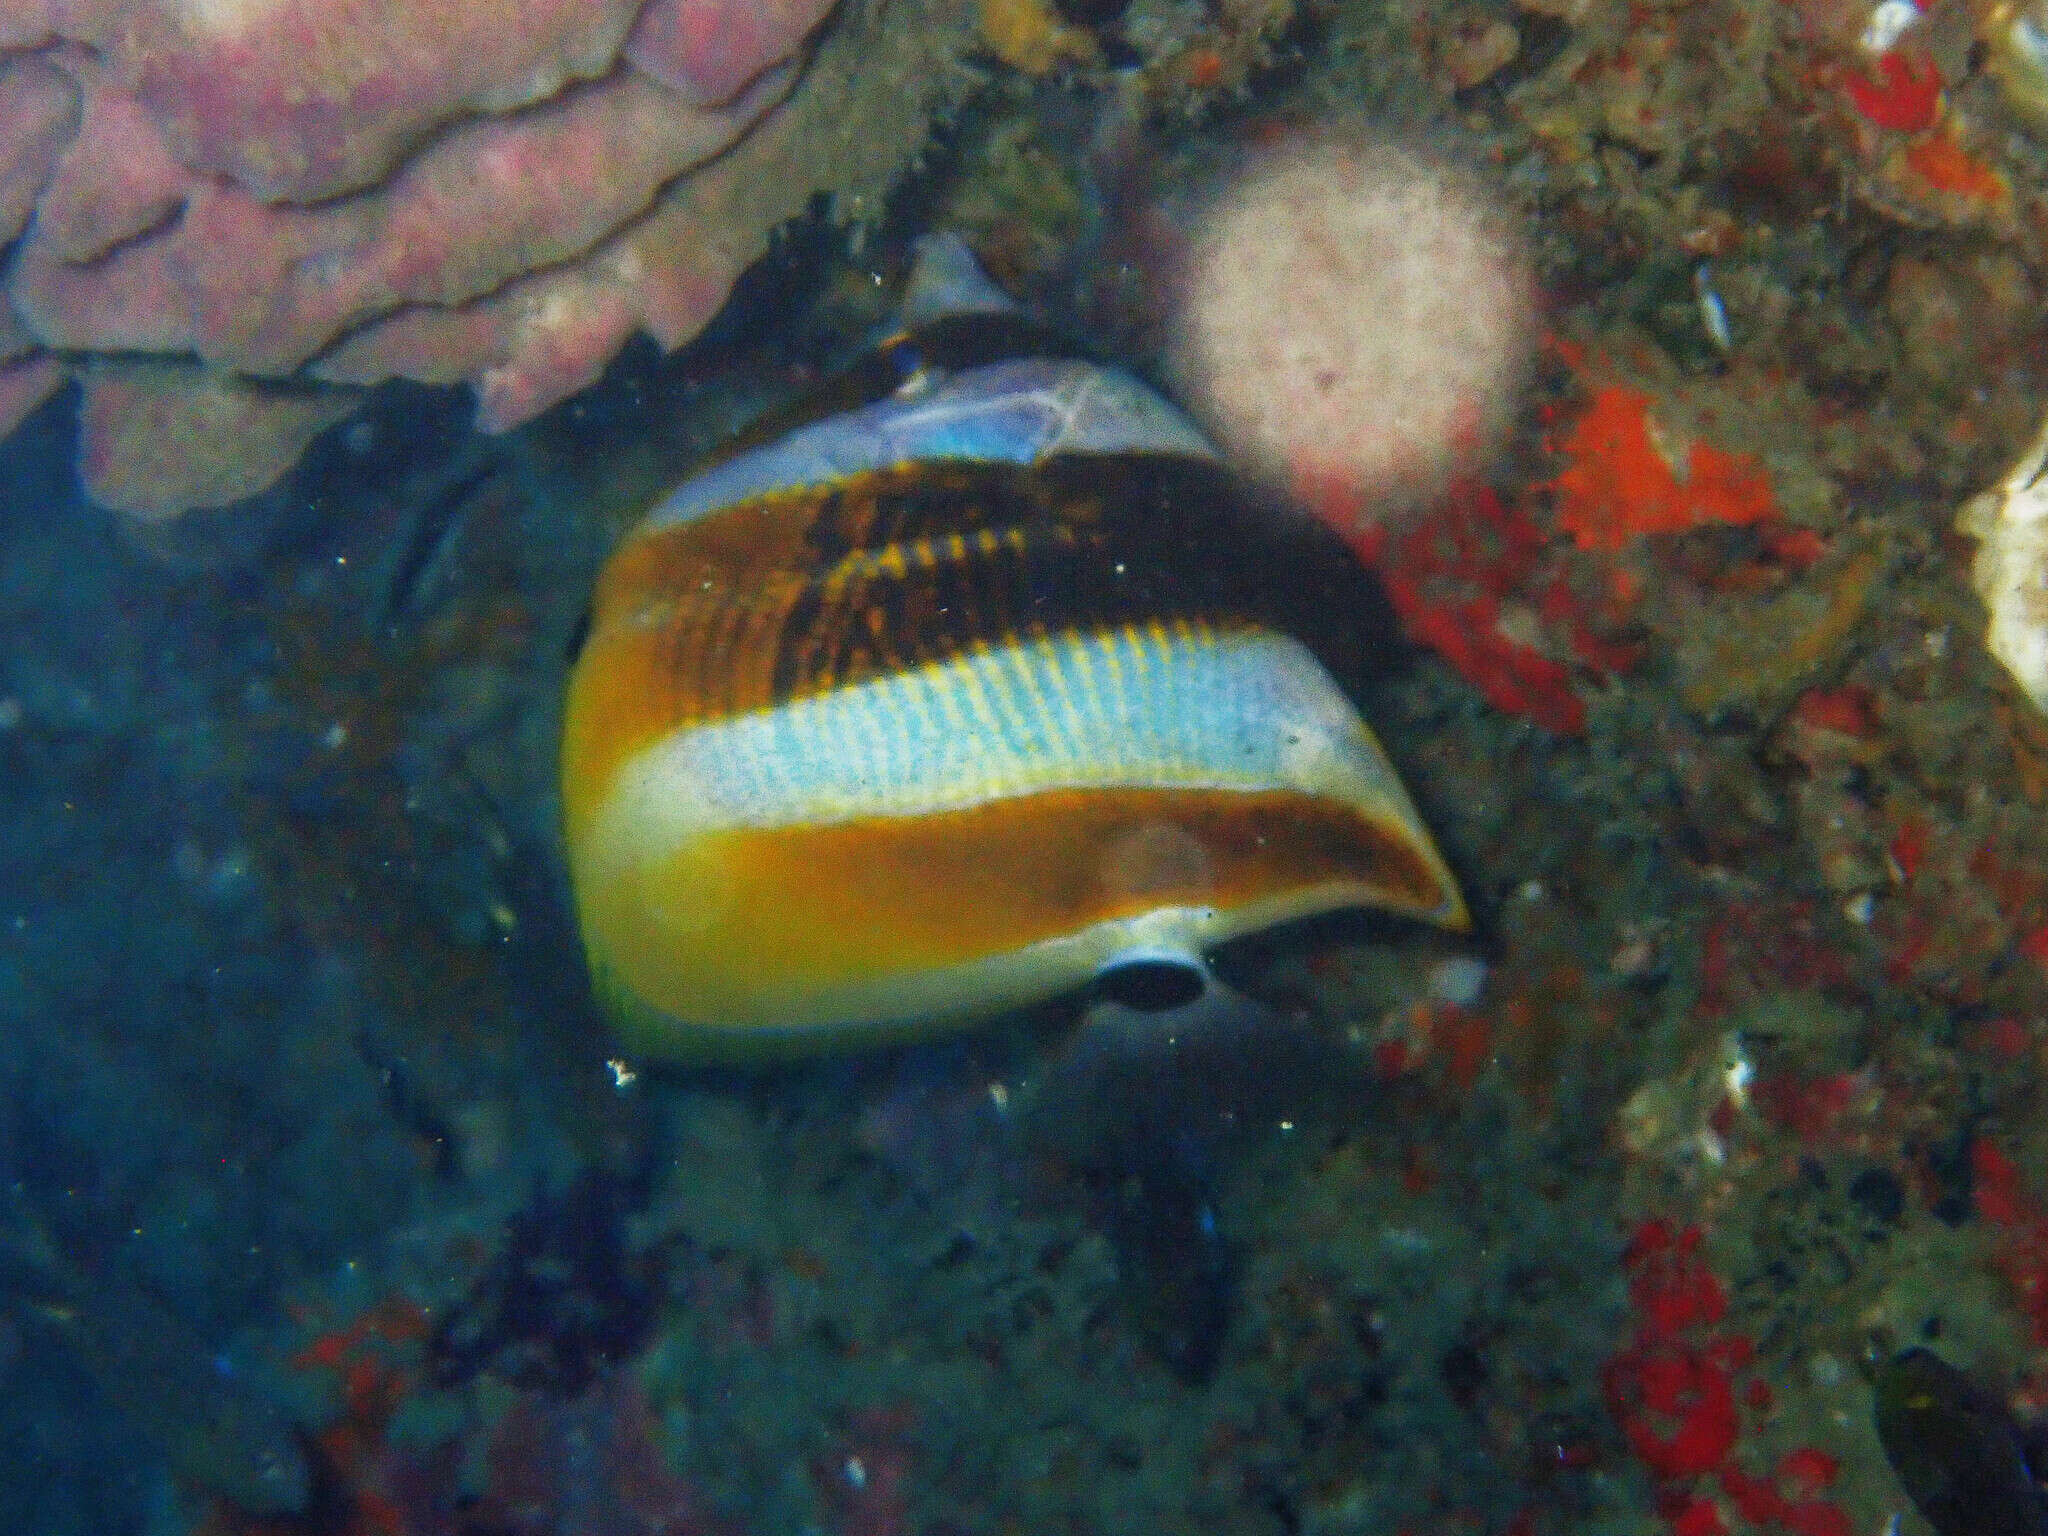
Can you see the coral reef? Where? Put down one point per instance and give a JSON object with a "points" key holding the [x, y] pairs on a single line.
{"points": [[1606, 1222], [222, 230]]}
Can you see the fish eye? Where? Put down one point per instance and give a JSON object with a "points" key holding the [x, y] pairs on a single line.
{"points": [[1152, 984]]}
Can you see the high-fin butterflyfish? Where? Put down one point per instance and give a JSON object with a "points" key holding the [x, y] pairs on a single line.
{"points": [[947, 697]]}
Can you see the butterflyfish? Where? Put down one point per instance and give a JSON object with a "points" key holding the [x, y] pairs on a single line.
{"points": [[949, 695]]}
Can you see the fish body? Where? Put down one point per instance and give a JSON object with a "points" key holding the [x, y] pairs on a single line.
{"points": [[948, 701]]}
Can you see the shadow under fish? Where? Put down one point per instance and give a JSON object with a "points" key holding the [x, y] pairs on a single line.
{"points": [[1165, 1077]]}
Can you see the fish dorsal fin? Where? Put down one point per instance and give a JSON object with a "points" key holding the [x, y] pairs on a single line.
{"points": [[955, 316], [952, 316], [946, 282]]}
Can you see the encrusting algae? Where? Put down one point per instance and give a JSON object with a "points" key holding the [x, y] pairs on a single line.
{"points": [[1629, 475]]}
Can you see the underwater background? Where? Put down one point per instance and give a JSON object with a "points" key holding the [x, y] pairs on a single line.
{"points": [[1701, 1188]]}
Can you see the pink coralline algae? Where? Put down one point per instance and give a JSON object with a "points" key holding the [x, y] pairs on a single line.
{"points": [[225, 217]]}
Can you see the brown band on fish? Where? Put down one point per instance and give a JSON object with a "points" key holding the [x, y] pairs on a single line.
{"points": [[848, 898], [798, 594]]}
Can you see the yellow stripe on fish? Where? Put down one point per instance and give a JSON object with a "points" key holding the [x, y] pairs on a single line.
{"points": [[945, 704]]}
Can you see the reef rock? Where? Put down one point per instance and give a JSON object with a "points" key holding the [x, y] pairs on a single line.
{"points": [[2010, 523], [273, 204]]}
